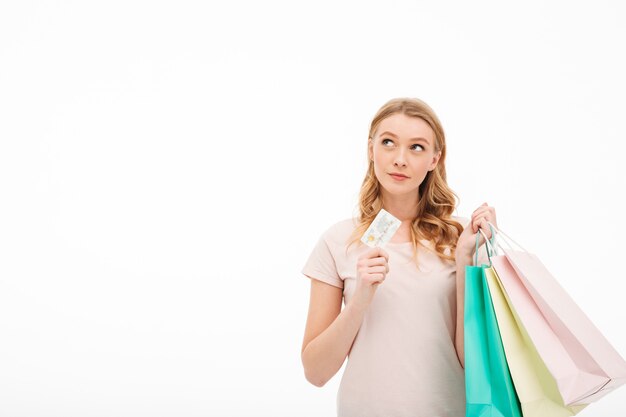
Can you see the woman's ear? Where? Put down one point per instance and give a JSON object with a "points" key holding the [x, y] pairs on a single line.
{"points": [[433, 165]]}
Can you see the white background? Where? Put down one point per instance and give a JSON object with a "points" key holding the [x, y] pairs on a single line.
{"points": [[167, 167]]}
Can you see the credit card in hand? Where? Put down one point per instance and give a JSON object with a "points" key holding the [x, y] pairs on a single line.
{"points": [[381, 230]]}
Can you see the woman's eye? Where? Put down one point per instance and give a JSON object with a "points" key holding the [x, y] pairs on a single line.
{"points": [[385, 140]]}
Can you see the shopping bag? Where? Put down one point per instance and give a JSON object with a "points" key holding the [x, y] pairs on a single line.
{"points": [[535, 387], [489, 390], [580, 359]]}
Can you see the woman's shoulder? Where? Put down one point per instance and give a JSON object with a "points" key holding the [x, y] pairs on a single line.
{"points": [[341, 229]]}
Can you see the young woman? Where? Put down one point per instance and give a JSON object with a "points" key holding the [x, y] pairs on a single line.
{"points": [[402, 322]]}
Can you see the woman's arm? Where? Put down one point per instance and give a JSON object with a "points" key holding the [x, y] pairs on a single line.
{"points": [[329, 332], [461, 262]]}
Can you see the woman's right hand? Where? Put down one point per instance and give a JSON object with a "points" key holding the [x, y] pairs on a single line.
{"points": [[371, 270]]}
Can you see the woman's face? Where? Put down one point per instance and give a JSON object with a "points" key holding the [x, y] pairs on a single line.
{"points": [[404, 145]]}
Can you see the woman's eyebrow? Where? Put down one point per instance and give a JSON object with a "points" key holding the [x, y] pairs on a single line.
{"points": [[412, 139]]}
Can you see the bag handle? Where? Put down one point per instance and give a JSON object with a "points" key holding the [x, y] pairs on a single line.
{"points": [[488, 244], [500, 232]]}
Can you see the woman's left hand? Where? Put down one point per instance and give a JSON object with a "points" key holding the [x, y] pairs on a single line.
{"points": [[466, 245]]}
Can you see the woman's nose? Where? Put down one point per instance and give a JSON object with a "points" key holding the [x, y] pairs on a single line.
{"points": [[399, 158]]}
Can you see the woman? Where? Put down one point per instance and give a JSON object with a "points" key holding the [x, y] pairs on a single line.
{"points": [[402, 322]]}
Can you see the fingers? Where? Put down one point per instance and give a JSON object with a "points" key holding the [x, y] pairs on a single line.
{"points": [[374, 262], [483, 211], [486, 230], [372, 273], [481, 206], [373, 266], [380, 270], [377, 252], [481, 218], [482, 222], [383, 253]]}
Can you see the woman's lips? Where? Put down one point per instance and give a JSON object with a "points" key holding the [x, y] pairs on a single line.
{"points": [[398, 177]]}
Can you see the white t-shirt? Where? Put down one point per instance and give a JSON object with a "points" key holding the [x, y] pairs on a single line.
{"points": [[403, 361]]}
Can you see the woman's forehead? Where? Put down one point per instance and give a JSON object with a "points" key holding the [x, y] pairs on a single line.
{"points": [[405, 127]]}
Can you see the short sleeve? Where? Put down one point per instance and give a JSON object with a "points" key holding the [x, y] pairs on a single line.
{"points": [[321, 264]]}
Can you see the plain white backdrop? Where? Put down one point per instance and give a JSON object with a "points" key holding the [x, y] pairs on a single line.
{"points": [[167, 167]]}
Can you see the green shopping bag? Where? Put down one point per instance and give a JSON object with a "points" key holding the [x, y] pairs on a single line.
{"points": [[489, 390]]}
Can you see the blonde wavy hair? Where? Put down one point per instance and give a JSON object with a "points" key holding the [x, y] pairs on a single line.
{"points": [[433, 220]]}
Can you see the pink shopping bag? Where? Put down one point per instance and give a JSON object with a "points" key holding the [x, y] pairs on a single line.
{"points": [[583, 363]]}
